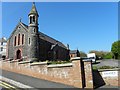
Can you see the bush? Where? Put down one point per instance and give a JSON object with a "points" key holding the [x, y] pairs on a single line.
{"points": [[59, 62], [109, 55], [103, 67], [95, 68], [106, 67]]}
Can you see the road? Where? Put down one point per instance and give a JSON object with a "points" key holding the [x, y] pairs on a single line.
{"points": [[33, 82], [108, 62], [7, 85]]}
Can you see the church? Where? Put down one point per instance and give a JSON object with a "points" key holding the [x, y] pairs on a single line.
{"points": [[27, 42]]}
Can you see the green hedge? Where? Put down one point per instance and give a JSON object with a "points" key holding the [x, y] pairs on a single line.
{"points": [[103, 67]]}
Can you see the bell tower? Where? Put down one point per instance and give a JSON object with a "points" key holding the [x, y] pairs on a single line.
{"points": [[33, 35], [33, 16]]}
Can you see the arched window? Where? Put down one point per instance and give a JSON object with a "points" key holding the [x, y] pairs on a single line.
{"points": [[29, 41], [34, 30], [33, 19], [22, 39], [30, 19], [15, 41], [18, 39]]}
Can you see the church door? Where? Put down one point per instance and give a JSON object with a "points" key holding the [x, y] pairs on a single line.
{"points": [[18, 54]]}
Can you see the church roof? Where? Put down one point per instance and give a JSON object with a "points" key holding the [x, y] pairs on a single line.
{"points": [[24, 25], [51, 40], [73, 51], [33, 10]]}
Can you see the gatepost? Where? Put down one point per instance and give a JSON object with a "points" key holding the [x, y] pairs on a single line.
{"points": [[77, 79], [82, 72], [88, 73]]}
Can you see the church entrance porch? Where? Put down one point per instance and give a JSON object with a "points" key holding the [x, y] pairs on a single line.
{"points": [[18, 54]]}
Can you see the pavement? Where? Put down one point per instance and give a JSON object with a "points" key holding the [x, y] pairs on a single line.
{"points": [[33, 82], [108, 86]]}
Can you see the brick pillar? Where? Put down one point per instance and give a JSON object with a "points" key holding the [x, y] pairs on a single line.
{"points": [[76, 76], [88, 73]]}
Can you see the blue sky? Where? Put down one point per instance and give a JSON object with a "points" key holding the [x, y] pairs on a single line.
{"points": [[83, 25]]}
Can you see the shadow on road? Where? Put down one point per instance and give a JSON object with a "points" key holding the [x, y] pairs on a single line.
{"points": [[97, 79]]}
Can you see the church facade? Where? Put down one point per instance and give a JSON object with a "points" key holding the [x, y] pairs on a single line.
{"points": [[27, 42]]}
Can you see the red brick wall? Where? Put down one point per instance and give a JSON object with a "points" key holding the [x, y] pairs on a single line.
{"points": [[88, 74], [70, 75]]}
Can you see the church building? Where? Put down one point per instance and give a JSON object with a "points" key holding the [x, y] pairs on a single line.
{"points": [[27, 42]]}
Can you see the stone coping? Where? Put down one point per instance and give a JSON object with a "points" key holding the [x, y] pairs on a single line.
{"points": [[38, 63], [114, 69], [60, 65], [80, 58], [23, 62], [9, 61], [75, 58], [87, 60], [13, 61]]}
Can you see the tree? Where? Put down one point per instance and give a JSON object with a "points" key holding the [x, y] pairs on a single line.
{"points": [[83, 54], [102, 54], [115, 49], [108, 55]]}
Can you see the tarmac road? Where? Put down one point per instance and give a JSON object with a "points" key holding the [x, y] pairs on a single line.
{"points": [[33, 82], [108, 62]]}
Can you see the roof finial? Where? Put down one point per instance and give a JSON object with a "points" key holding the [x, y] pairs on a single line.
{"points": [[20, 19], [67, 46], [34, 3]]}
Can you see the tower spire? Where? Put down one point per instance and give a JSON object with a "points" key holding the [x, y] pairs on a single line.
{"points": [[34, 3], [33, 16], [33, 10]]}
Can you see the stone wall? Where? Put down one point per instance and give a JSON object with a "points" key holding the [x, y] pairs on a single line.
{"points": [[69, 74], [110, 77], [11, 52]]}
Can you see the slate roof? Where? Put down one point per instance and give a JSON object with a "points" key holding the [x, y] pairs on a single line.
{"points": [[33, 10], [22, 24], [53, 46], [73, 51], [51, 40], [3, 39], [25, 25]]}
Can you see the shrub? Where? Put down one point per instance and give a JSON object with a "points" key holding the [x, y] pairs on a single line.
{"points": [[95, 68], [109, 55], [59, 62], [106, 67]]}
